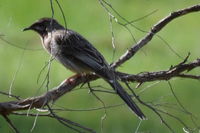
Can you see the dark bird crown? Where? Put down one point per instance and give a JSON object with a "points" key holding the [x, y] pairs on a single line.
{"points": [[44, 25]]}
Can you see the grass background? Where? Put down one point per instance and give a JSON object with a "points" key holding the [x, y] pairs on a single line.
{"points": [[88, 18]]}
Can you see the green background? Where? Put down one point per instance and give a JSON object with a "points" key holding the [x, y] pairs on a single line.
{"points": [[89, 19]]}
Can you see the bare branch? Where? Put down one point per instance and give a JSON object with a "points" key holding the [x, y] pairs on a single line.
{"points": [[155, 29], [150, 107], [175, 71], [41, 101], [10, 123], [189, 76], [10, 95], [67, 86], [70, 124]]}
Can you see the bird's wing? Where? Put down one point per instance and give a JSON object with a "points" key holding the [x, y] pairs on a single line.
{"points": [[76, 47]]}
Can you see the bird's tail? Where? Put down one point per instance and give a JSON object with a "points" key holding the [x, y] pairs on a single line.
{"points": [[127, 99]]}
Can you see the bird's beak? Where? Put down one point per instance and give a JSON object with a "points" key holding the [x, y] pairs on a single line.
{"points": [[25, 29], [28, 28]]}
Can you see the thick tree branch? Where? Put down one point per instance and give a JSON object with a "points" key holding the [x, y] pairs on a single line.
{"points": [[155, 29], [71, 83], [176, 71], [43, 100]]}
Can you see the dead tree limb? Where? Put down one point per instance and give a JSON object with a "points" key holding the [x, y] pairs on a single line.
{"points": [[154, 30], [66, 86]]}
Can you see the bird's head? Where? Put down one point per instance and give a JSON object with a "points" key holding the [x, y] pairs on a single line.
{"points": [[43, 26]]}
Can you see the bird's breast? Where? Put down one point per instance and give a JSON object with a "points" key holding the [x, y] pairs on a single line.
{"points": [[46, 44], [50, 45], [56, 50]]}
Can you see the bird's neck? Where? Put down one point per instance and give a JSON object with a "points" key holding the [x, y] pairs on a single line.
{"points": [[46, 42]]}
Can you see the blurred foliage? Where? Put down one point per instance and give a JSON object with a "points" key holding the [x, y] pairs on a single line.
{"points": [[88, 18]]}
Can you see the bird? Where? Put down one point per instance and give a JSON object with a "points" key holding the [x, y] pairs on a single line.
{"points": [[78, 55]]}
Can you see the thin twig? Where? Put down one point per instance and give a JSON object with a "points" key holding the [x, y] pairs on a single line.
{"points": [[103, 118], [16, 46], [62, 12], [16, 72], [150, 107], [11, 95], [155, 29], [189, 76], [66, 122], [10, 124]]}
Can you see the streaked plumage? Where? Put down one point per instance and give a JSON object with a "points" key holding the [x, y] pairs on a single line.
{"points": [[77, 54]]}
